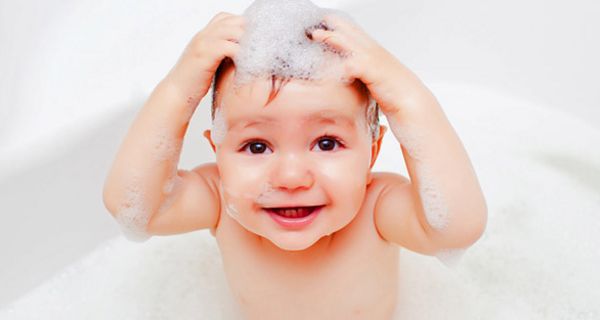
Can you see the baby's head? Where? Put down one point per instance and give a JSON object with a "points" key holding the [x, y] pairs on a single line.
{"points": [[289, 140]]}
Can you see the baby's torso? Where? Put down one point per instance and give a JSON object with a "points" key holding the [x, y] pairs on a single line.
{"points": [[351, 274]]}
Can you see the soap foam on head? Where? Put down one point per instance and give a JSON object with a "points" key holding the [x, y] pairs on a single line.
{"points": [[275, 42]]}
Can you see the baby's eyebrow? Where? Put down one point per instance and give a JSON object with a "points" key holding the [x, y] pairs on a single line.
{"points": [[322, 117]]}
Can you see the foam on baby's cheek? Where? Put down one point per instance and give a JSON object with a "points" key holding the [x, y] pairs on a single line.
{"points": [[267, 195], [275, 42], [229, 206], [434, 204], [219, 126]]}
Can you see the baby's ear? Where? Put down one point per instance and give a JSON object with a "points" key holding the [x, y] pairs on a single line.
{"points": [[206, 134], [376, 146]]}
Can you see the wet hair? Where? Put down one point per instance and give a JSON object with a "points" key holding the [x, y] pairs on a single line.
{"points": [[277, 83]]}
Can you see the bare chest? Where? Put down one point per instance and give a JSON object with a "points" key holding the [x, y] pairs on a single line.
{"points": [[351, 274]]}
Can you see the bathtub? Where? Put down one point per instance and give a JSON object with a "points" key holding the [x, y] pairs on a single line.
{"points": [[518, 82]]}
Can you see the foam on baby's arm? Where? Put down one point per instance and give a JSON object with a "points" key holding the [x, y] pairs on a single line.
{"points": [[144, 177]]}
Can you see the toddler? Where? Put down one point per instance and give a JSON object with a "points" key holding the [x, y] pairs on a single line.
{"points": [[305, 229]]}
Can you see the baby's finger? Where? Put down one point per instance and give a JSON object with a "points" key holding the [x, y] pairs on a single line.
{"points": [[333, 39], [230, 33], [228, 48]]}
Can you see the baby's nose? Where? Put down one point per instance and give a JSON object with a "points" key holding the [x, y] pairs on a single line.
{"points": [[292, 172]]}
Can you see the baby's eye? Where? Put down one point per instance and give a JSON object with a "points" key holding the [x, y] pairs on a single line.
{"points": [[328, 143], [256, 147]]}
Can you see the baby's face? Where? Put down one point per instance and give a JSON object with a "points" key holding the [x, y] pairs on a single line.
{"points": [[308, 147]]}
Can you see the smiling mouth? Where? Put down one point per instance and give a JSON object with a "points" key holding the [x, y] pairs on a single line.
{"points": [[295, 212]]}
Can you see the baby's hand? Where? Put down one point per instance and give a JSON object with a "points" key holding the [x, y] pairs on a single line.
{"points": [[194, 70], [386, 78]]}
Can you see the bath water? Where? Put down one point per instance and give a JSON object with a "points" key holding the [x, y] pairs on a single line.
{"points": [[538, 259]]}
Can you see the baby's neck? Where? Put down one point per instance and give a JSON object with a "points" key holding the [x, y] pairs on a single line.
{"points": [[312, 253]]}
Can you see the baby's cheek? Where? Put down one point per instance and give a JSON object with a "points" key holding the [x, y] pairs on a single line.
{"points": [[348, 177], [240, 173]]}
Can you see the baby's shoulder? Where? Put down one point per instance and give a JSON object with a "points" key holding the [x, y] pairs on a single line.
{"points": [[209, 172], [381, 180]]}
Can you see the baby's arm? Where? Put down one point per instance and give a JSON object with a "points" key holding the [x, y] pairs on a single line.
{"points": [[144, 190], [442, 207]]}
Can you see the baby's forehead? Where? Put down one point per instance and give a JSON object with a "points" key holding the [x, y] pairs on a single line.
{"points": [[318, 117], [326, 90]]}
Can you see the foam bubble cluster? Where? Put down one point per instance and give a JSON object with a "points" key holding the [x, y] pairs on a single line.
{"points": [[133, 214], [434, 202], [165, 146], [451, 257], [275, 42]]}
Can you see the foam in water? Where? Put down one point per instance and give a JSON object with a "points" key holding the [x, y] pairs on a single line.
{"points": [[533, 262], [451, 257]]}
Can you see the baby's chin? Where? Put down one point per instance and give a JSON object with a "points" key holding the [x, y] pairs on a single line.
{"points": [[297, 242], [294, 241]]}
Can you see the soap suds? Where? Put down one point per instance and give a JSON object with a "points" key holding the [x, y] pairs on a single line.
{"points": [[433, 200], [166, 147], [434, 204], [133, 214], [409, 137], [230, 208], [171, 183], [276, 42], [169, 190], [450, 257]]}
